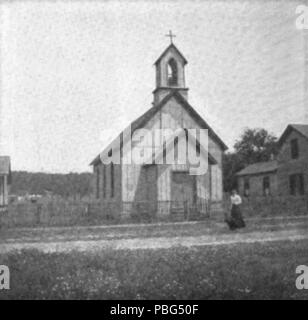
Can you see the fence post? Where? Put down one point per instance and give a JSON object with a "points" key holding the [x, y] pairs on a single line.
{"points": [[187, 210], [208, 207], [87, 213], [38, 213]]}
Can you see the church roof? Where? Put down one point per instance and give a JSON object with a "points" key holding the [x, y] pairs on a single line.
{"points": [[302, 129], [167, 49], [143, 119]]}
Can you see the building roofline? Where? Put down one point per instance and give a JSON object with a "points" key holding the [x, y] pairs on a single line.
{"points": [[287, 131], [258, 169], [256, 173], [166, 50], [145, 117]]}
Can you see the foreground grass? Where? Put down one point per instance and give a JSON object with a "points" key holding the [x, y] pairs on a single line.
{"points": [[245, 271]]}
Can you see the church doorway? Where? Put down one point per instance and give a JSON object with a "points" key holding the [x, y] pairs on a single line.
{"points": [[183, 188]]}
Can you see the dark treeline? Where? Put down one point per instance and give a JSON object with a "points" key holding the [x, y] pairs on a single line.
{"points": [[65, 185]]}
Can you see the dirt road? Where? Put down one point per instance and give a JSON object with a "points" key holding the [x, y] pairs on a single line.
{"points": [[158, 242]]}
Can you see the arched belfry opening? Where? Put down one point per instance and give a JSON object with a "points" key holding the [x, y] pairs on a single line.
{"points": [[172, 72]]}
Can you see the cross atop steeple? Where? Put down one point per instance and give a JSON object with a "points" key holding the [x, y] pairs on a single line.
{"points": [[170, 35], [170, 72]]}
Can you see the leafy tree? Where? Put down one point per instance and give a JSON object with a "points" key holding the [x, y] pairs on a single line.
{"points": [[231, 163], [254, 145]]}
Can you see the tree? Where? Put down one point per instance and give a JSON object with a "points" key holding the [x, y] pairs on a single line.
{"points": [[231, 163], [66, 185], [254, 145]]}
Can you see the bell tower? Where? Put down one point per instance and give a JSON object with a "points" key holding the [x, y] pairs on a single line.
{"points": [[170, 72]]}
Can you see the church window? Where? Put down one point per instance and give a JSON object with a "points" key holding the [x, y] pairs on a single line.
{"points": [[112, 179], [164, 152], [198, 149], [172, 72], [97, 183], [176, 149], [104, 181]]}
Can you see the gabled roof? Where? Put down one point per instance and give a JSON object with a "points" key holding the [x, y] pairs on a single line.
{"points": [[167, 49], [143, 119], [5, 166], [258, 168], [302, 129], [171, 142]]}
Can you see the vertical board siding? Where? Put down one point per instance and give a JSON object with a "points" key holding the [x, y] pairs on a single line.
{"points": [[172, 116]]}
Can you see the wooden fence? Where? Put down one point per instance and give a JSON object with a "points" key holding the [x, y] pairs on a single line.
{"points": [[70, 213], [272, 206]]}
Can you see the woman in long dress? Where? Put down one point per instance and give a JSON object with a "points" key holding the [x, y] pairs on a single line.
{"points": [[236, 220]]}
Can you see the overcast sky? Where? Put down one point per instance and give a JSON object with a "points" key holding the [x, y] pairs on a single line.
{"points": [[74, 73]]}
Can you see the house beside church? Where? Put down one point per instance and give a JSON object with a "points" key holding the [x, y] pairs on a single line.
{"points": [[287, 175], [292, 172], [258, 179], [161, 187], [5, 180]]}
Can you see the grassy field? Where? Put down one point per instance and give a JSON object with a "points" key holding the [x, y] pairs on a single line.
{"points": [[242, 271]]}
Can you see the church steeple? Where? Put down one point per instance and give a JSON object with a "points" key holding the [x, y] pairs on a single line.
{"points": [[170, 72]]}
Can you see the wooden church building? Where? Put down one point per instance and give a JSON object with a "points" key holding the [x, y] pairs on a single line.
{"points": [[158, 187]]}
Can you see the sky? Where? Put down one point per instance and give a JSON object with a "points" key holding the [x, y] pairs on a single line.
{"points": [[73, 74]]}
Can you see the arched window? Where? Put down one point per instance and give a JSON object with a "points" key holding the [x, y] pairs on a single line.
{"points": [[172, 70]]}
